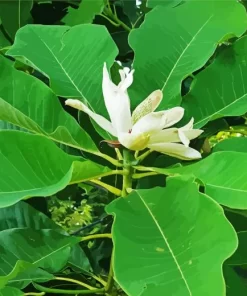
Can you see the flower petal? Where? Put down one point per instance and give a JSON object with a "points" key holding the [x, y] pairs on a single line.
{"points": [[149, 123], [100, 120], [176, 150], [147, 106], [193, 133], [126, 78], [134, 141], [183, 138], [169, 135], [117, 104], [172, 116], [189, 125]]}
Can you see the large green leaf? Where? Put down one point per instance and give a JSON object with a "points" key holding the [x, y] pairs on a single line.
{"points": [[223, 175], [24, 249], [168, 241], [232, 144], [29, 103], [32, 165], [221, 89], [71, 57], [172, 3], [85, 13], [178, 41], [235, 285], [15, 14]]}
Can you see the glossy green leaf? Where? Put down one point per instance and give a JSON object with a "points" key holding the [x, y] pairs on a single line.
{"points": [[74, 67], [32, 165], [232, 144], [10, 291], [85, 13], [222, 173], [22, 215], [29, 103], [15, 14], [169, 3], [24, 249], [168, 241], [221, 89], [240, 256], [178, 41]]}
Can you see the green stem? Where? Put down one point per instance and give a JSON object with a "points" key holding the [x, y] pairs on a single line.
{"points": [[109, 20], [34, 294], [94, 236], [110, 159], [127, 178], [68, 292], [75, 282], [110, 281], [108, 187], [115, 18], [144, 155], [142, 175]]}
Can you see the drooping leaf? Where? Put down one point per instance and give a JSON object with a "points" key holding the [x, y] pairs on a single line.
{"points": [[177, 42], [28, 103], [232, 144], [32, 165], [221, 89], [24, 249], [222, 173], [175, 235], [85, 13], [15, 14], [74, 67]]}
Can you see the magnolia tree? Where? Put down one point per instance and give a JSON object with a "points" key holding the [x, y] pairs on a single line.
{"points": [[134, 118]]}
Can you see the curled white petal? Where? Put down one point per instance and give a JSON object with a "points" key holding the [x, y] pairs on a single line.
{"points": [[176, 150], [172, 116], [117, 104], [149, 123], [100, 120]]}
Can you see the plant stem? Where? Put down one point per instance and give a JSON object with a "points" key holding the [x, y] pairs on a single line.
{"points": [[144, 155], [75, 282], [142, 175], [68, 292], [127, 178], [115, 18], [100, 280], [110, 159], [94, 236], [119, 155], [108, 187], [110, 281], [34, 294], [109, 20]]}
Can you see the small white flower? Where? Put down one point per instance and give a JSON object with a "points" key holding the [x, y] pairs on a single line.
{"points": [[144, 128]]}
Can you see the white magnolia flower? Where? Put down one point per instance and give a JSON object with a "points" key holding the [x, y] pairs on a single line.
{"points": [[144, 128]]}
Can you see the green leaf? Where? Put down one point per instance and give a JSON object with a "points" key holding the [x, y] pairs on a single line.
{"points": [[222, 173], [75, 68], [22, 215], [15, 14], [177, 42], [234, 283], [170, 3], [22, 274], [240, 256], [223, 84], [30, 104], [168, 241], [232, 144], [25, 249], [10, 291], [85, 13], [32, 165]]}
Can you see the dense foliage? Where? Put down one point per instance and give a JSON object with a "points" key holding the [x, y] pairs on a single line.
{"points": [[79, 212]]}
